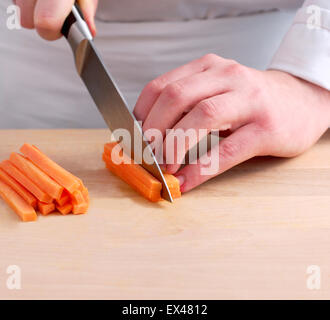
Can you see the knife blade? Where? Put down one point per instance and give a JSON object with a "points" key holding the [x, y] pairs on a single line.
{"points": [[106, 94]]}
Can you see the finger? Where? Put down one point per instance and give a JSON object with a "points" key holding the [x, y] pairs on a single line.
{"points": [[88, 8], [242, 145], [27, 10], [153, 89], [49, 16], [222, 112], [180, 96]]}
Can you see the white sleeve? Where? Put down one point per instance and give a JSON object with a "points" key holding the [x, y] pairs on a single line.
{"points": [[305, 50]]}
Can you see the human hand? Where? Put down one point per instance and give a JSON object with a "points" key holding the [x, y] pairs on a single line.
{"points": [[48, 16], [267, 112]]}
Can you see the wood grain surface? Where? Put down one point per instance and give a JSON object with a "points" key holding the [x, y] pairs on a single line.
{"points": [[249, 233]]}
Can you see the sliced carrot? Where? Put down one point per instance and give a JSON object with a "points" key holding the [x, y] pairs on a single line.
{"points": [[26, 195], [66, 209], [59, 174], [133, 174], [25, 211], [36, 175], [80, 208], [173, 184], [136, 176], [85, 193], [80, 205], [77, 197], [65, 198], [10, 169], [46, 208]]}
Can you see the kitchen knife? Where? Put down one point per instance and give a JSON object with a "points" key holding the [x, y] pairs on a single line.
{"points": [[106, 93]]}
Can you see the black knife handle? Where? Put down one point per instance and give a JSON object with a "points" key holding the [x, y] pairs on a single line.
{"points": [[72, 18], [69, 21]]}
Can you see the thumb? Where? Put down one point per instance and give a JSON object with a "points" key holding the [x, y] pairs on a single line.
{"points": [[240, 146]]}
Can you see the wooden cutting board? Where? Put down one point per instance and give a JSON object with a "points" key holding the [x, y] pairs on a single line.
{"points": [[250, 233]]}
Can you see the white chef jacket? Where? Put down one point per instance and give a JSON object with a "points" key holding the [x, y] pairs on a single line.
{"points": [[140, 40], [305, 50]]}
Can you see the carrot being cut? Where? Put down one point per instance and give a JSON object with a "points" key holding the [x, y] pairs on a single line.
{"points": [[26, 195], [36, 175], [11, 170], [56, 172], [135, 175], [66, 209], [25, 211], [173, 184], [46, 208]]}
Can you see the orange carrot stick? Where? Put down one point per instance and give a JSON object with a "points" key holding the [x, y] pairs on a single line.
{"points": [[66, 209], [133, 174], [77, 197], [65, 198], [59, 174], [10, 169], [36, 175], [136, 176], [80, 208], [17, 203], [26, 195], [79, 203], [173, 184], [46, 208]]}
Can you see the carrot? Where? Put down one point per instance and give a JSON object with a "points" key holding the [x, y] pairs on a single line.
{"points": [[66, 209], [65, 198], [25, 211], [46, 208], [37, 176], [79, 203], [11, 170], [85, 193], [80, 208], [136, 176], [26, 195], [77, 197], [59, 174], [173, 184]]}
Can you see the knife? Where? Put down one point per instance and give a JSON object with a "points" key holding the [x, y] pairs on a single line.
{"points": [[106, 94]]}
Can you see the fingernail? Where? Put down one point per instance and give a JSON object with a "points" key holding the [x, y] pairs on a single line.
{"points": [[181, 179]]}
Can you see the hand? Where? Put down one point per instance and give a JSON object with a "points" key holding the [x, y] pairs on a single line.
{"points": [[48, 16], [267, 112]]}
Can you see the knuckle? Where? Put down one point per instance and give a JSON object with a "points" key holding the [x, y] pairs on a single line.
{"points": [[228, 149], [208, 109], [234, 69], [174, 91], [210, 59], [154, 87]]}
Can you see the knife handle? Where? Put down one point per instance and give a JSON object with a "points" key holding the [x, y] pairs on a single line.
{"points": [[76, 17]]}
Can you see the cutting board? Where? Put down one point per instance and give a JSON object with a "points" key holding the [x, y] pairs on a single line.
{"points": [[253, 232]]}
